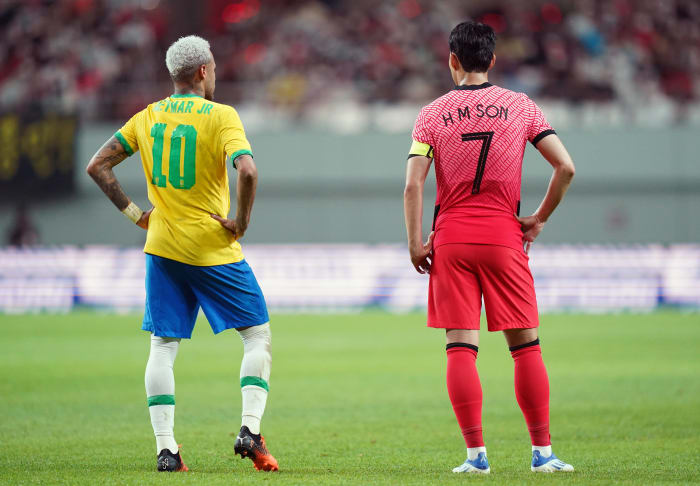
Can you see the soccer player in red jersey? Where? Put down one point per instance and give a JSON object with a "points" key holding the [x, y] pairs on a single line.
{"points": [[476, 134]]}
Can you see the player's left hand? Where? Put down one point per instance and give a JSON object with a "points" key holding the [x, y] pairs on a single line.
{"points": [[143, 221], [230, 225], [531, 227], [421, 257]]}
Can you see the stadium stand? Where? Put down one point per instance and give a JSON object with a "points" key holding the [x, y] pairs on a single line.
{"points": [[291, 56]]}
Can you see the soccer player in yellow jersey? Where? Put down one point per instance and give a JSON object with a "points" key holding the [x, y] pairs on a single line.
{"points": [[193, 258]]}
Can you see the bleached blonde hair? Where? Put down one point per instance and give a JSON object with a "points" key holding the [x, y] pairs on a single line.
{"points": [[185, 55]]}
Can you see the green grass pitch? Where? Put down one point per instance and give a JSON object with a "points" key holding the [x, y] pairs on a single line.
{"points": [[355, 399]]}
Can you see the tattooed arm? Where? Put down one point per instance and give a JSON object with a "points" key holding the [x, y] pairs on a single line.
{"points": [[100, 169]]}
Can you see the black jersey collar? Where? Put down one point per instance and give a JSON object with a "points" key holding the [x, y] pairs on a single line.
{"points": [[472, 87]]}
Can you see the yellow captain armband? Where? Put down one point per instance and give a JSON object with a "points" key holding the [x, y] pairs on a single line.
{"points": [[420, 148]]}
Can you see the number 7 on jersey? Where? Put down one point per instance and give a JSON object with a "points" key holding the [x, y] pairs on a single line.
{"points": [[485, 138]]}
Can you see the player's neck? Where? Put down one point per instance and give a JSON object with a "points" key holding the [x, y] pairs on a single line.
{"points": [[467, 79], [182, 89]]}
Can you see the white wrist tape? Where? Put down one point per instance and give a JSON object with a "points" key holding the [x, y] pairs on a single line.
{"points": [[133, 212]]}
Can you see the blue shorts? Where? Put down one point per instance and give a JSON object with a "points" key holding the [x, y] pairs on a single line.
{"points": [[228, 294]]}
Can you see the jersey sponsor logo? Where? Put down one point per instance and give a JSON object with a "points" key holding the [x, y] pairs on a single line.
{"points": [[478, 111]]}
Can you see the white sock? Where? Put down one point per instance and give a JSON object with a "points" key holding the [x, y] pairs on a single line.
{"points": [[255, 374], [163, 420], [473, 452], [545, 451], [160, 391]]}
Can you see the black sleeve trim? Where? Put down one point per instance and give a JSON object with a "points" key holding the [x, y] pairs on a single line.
{"points": [[462, 345], [526, 345], [541, 136]]}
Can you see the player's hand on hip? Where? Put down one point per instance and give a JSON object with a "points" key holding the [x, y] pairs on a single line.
{"points": [[531, 227], [143, 221], [421, 257], [230, 225]]}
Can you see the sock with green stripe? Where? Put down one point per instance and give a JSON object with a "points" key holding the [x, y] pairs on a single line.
{"points": [[255, 374], [160, 391]]}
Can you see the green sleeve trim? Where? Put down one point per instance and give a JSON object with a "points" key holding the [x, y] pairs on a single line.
{"points": [[254, 381], [238, 153], [161, 400], [124, 143]]}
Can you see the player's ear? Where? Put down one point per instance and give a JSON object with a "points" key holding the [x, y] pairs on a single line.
{"points": [[454, 62], [202, 71], [493, 61]]}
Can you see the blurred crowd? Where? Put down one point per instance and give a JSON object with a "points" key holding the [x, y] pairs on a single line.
{"points": [[105, 59]]}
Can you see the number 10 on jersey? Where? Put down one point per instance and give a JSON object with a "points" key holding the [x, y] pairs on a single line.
{"points": [[181, 173]]}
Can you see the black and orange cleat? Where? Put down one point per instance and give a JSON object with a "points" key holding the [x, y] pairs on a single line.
{"points": [[167, 461], [253, 446]]}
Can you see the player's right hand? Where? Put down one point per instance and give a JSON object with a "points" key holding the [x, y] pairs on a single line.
{"points": [[143, 221], [421, 257]]}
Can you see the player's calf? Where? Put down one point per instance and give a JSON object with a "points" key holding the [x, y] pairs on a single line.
{"points": [[160, 391], [255, 374]]}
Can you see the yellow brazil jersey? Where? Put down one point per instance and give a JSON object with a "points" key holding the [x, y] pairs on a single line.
{"points": [[185, 142]]}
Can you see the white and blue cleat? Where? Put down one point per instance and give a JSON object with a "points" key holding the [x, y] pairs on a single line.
{"points": [[549, 464], [480, 465]]}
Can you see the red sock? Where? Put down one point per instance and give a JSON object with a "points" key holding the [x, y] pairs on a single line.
{"points": [[464, 388], [532, 391]]}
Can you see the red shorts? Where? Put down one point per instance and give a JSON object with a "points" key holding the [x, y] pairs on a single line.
{"points": [[462, 272]]}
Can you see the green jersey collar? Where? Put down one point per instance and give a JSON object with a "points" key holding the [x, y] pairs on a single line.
{"points": [[185, 95]]}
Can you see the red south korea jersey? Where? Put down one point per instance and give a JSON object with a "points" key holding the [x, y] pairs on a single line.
{"points": [[477, 136]]}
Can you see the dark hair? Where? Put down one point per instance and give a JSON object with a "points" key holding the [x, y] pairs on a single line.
{"points": [[473, 43]]}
